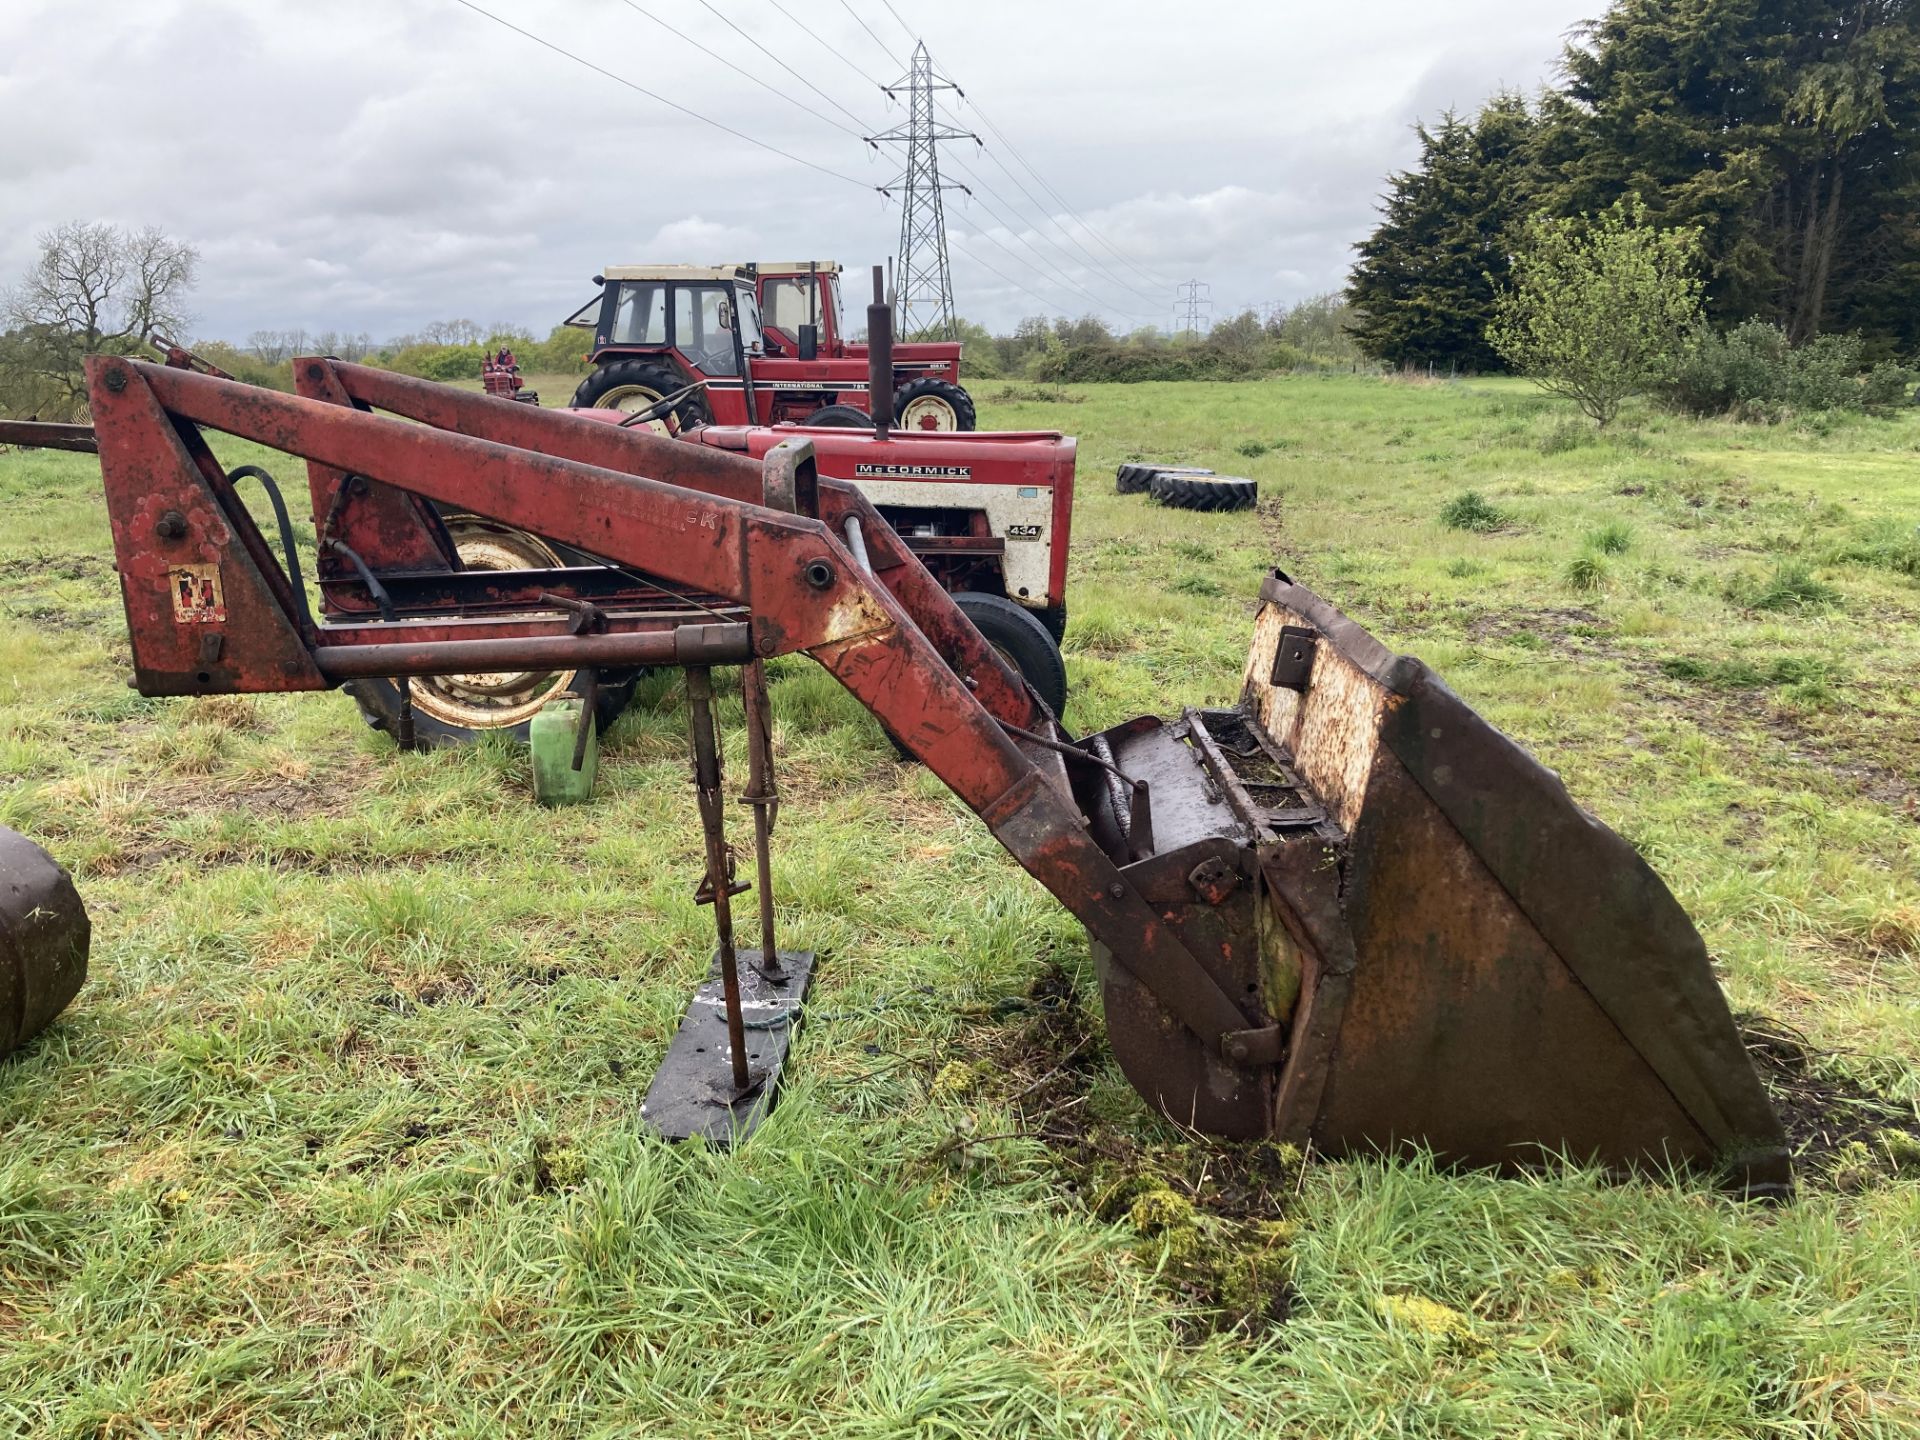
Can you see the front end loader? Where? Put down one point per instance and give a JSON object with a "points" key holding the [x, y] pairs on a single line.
{"points": [[1345, 912]]}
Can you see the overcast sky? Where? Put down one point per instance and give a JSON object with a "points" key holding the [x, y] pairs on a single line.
{"points": [[378, 164]]}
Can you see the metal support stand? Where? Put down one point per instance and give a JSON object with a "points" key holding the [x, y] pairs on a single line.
{"points": [[750, 1024], [763, 794]]}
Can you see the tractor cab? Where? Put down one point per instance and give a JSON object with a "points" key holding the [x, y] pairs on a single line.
{"points": [[659, 330], [800, 308]]}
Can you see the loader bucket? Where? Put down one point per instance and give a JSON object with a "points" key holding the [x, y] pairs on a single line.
{"points": [[1459, 955], [44, 935]]}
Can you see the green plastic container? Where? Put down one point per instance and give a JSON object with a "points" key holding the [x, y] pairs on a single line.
{"points": [[551, 735]]}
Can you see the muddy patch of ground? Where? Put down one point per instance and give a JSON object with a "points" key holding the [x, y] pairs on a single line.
{"points": [[1842, 1135], [1205, 1215]]}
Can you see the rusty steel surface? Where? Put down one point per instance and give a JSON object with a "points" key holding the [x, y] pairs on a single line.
{"points": [[47, 435], [587, 438], [44, 938]]}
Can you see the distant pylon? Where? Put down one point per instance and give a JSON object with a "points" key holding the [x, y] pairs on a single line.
{"points": [[924, 284], [1192, 303]]}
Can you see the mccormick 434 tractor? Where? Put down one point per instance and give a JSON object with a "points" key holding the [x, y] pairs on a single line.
{"points": [[763, 344]]}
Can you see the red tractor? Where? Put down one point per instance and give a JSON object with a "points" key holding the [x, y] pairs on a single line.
{"points": [[752, 345]]}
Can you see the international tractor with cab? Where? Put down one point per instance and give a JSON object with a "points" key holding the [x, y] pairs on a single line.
{"points": [[1344, 912], [762, 345]]}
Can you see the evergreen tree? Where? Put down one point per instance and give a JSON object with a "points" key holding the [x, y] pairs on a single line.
{"points": [[1779, 128], [1426, 279]]}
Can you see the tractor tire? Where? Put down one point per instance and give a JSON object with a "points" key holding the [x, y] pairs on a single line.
{"points": [[379, 702], [1022, 639], [932, 405], [849, 417], [1134, 478], [456, 710], [632, 385], [1203, 492]]}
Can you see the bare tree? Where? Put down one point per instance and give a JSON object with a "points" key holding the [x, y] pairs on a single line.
{"points": [[96, 288], [276, 347]]}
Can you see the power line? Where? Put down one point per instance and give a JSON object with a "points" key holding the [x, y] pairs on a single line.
{"points": [[1052, 271], [1008, 278], [663, 100], [830, 48], [869, 29], [986, 120], [1041, 208], [783, 65], [764, 85], [1046, 267], [901, 23]]}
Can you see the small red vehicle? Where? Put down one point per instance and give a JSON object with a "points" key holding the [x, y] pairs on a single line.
{"points": [[762, 345]]}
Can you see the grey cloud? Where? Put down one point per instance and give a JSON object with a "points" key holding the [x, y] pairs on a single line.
{"points": [[367, 165]]}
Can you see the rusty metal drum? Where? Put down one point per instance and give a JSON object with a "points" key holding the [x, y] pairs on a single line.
{"points": [[44, 936]]}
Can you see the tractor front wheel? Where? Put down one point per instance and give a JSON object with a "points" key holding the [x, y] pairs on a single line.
{"points": [[634, 385], [932, 405], [457, 709], [843, 416], [1022, 640]]}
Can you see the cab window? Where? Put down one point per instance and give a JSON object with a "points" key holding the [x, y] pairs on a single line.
{"points": [[639, 314], [747, 310], [697, 331], [786, 304]]}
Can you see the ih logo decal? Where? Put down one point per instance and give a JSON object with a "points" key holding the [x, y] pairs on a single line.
{"points": [[196, 595]]}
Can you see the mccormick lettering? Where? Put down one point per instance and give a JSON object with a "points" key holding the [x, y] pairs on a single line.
{"points": [[865, 471]]}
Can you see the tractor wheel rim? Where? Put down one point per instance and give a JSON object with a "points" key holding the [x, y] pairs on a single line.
{"points": [[631, 399], [491, 700], [928, 412]]}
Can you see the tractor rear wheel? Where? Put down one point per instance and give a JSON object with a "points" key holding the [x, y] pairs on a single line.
{"points": [[1204, 492], [932, 405], [457, 709], [633, 385], [1134, 477], [1022, 640], [845, 416]]}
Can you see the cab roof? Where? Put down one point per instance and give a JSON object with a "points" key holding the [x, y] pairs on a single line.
{"points": [[677, 272], [797, 267]]}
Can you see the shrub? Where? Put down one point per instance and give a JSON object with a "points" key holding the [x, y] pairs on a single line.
{"points": [[1613, 538], [1598, 306], [1886, 545], [1791, 586], [1587, 571], [1753, 372], [1470, 510]]}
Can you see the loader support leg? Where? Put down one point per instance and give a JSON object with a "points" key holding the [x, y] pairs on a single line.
{"points": [[764, 797], [706, 779]]}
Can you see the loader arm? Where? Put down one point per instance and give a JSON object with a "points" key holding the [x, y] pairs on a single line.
{"points": [[636, 451], [1347, 911], [802, 591]]}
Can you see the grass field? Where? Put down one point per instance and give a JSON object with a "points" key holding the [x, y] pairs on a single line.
{"points": [[340, 1138]]}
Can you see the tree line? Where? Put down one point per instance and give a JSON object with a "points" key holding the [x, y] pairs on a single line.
{"points": [[1777, 131]]}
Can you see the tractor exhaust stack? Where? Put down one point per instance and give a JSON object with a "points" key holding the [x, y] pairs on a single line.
{"points": [[880, 357]]}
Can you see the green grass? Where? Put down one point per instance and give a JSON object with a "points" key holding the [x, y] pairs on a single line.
{"points": [[340, 1138]]}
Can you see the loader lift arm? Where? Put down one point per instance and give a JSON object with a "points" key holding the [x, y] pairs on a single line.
{"points": [[800, 588], [1352, 915]]}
